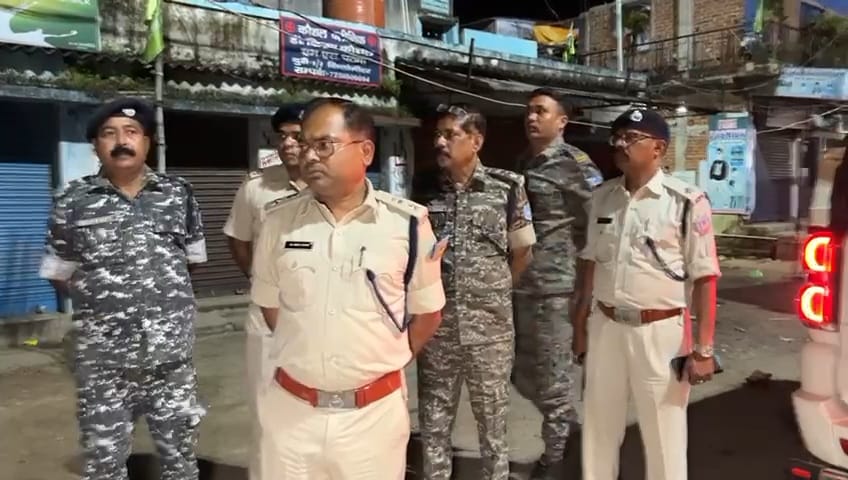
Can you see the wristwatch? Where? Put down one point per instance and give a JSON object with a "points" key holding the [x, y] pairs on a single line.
{"points": [[704, 351]]}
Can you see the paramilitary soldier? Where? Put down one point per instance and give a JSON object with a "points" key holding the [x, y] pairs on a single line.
{"points": [[560, 179], [485, 213], [263, 189], [119, 244]]}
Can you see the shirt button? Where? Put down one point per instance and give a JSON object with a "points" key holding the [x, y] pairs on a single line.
{"points": [[335, 269], [332, 311]]}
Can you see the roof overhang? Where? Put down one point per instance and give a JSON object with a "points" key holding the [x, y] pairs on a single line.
{"points": [[508, 97], [206, 106]]}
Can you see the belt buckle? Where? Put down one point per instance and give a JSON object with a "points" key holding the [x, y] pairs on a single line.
{"points": [[344, 399], [628, 316]]}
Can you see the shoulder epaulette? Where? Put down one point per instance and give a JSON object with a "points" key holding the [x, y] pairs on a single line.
{"points": [[284, 200], [682, 188], [506, 175], [253, 174], [400, 204]]}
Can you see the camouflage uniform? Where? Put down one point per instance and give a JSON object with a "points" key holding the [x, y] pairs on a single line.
{"points": [[559, 185], [126, 264], [485, 219]]}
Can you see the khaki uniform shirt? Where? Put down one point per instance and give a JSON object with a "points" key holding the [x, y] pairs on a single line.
{"points": [[258, 190], [485, 219], [257, 193], [333, 332], [627, 274]]}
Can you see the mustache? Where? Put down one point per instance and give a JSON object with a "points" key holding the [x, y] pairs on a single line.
{"points": [[122, 150]]}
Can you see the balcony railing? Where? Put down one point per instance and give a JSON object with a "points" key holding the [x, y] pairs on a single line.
{"points": [[724, 51]]}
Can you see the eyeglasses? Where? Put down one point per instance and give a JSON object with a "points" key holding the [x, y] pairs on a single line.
{"points": [[628, 139], [448, 135], [325, 148]]}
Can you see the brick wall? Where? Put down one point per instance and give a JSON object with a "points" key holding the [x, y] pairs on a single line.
{"points": [[708, 15], [713, 15], [663, 19], [599, 21], [698, 136]]}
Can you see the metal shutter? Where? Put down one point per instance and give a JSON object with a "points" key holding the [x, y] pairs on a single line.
{"points": [[215, 190], [25, 203], [775, 148]]}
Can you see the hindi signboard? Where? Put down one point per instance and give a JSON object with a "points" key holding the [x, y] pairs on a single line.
{"points": [[329, 52], [65, 24]]}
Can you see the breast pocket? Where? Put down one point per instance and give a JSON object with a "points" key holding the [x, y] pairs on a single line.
{"points": [[101, 242], [377, 285], [297, 273], [606, 242], [170, 233], [490, 232]]}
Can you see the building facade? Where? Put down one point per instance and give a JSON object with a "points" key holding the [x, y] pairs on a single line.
{"points": [[227, 67], [761, 70]]}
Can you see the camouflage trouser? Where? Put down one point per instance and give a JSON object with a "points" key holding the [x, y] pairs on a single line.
{"points": [[109, 400], [442, 367], [544, 372]]}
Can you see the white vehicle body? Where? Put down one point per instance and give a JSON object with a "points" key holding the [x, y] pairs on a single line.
{"points": [[821, 403]]}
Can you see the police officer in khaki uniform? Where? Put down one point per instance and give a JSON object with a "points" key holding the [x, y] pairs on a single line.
{"points": [[337, 270], [650, 239], [262, 189]]}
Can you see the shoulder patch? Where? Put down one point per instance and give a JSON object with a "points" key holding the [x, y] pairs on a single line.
{"points": [[702, 224], [591, 174], [682, 188], [279, 202], [579, 155], [403, 205]]}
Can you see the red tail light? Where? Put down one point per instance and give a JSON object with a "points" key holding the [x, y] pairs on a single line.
{"points": [[819, 259]]}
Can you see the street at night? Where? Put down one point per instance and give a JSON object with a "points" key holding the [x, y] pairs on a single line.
{"points": [[737, 429]]}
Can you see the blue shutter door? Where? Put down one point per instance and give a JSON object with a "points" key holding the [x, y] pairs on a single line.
{"points": [[25, 201]]}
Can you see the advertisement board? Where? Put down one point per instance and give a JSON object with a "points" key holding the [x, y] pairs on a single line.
{"points": [[62, 24]]}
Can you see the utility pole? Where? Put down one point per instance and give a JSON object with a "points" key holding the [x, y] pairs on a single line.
{"points": [[619, 34], [159, 73]]}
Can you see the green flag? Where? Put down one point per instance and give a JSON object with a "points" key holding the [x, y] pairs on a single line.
{"points": [[759, 18], [155, 39]]}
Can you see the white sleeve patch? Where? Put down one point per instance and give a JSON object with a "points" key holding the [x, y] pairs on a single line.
{"points": [[196, 251], [54, 268], [703, 224]]}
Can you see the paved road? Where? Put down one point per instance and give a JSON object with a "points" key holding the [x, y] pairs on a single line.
{"points": [[736, 431]]}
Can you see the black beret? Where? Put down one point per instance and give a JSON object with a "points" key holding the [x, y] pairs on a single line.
{"points": [[644, 120], [135, 108], [292, 113]]}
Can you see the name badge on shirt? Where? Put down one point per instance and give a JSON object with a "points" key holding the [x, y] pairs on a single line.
{"points": [[96, 220], [604, 220], [298, 245]]}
